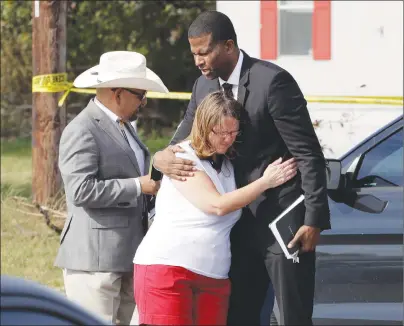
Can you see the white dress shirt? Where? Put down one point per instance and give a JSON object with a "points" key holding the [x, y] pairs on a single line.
{"points": [[183, 235], [234, 78], [140, 156]]}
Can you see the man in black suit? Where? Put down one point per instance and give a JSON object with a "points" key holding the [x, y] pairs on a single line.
{"points": [[276, 124]]}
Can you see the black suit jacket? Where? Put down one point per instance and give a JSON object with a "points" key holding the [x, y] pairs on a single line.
{"points": [[276, 124]]}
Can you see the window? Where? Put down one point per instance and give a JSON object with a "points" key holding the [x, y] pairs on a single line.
{"points": [[384, 161], [295, 27]]}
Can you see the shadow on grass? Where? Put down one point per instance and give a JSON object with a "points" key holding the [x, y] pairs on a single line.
{"points": [[22, 190]]}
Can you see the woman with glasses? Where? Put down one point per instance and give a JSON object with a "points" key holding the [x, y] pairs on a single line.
{"points": [[182, 264]]}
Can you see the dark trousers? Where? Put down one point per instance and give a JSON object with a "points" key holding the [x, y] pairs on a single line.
{"points": [[294, 287], [252, 270], [267, 316]]}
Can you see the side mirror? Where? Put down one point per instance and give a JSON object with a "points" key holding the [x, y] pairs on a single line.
{"points": [[349, 196], [333, 171], [369, 203]]}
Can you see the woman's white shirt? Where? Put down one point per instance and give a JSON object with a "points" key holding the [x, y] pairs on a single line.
{"points": [[183, 235]]}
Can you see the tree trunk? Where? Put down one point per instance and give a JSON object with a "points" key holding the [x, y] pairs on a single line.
{"points": [[48, 121]]}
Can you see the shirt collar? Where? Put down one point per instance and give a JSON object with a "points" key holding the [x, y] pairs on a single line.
{"points": [[234, 78], [107, 111]]}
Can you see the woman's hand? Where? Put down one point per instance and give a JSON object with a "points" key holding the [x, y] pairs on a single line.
{"points": [[278, 173]]}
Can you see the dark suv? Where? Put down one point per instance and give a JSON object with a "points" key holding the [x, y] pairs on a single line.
{"points": [[359, 276]]}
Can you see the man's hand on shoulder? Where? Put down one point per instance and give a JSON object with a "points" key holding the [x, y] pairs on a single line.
{"points": [[174, 167]]}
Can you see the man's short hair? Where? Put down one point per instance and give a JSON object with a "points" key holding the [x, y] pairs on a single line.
{"points": [[215, 23]]}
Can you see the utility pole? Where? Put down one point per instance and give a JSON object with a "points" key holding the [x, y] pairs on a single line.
{"points": [[48, 120]]}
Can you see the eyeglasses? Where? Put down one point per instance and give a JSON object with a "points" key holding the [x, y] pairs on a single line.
{"points": [[227, 133], [140, 96]]}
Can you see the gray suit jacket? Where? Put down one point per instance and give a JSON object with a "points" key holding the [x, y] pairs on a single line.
{"points": [[104, 224]]}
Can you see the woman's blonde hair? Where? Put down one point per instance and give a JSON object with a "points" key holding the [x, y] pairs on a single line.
{"points": [[210, 113]]}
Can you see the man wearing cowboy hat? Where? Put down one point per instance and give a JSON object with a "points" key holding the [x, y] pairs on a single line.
{"points": [[104, 167]]}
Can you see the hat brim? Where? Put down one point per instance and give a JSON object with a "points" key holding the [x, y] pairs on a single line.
{"points": [[151, 82]]}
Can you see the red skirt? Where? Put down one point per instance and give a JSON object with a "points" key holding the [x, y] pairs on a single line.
{"points": [[171, 295]]}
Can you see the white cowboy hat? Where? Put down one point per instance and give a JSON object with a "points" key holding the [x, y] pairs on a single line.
{"points": [[126, 69]]}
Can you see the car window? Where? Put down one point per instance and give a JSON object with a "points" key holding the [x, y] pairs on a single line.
{"points": [[383, 164]]}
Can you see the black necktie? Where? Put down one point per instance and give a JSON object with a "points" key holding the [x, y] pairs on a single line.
{"points": [[122, 127], [228, 89]]}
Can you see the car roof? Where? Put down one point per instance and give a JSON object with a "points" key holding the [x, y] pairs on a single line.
{"points": [[25, 294], [17, 286], [397, 121]]}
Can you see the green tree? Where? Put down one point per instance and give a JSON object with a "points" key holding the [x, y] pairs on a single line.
{"points": [[157, 29], [16, 66], [16, 49]]}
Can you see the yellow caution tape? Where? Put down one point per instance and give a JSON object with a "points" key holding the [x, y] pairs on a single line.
{"points": [[171, 95], [392, 100], [50, 83], [55, 83]]}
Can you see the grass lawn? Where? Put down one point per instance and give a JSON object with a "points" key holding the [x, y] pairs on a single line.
{"points": [[28, 245]]}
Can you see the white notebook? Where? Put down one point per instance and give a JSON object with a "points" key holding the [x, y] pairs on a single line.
{"points": [[284, 229]]}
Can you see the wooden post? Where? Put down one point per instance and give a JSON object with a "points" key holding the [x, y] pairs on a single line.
{"points": [[48, 120]]}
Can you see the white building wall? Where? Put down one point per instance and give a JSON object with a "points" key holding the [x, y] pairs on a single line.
{"points": [[361, 53], [245, 16], [366, 49]]}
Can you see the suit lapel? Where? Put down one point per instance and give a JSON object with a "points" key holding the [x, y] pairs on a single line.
{"points": [[134, 135], [214, 85], [108, 126], [243, 91], [142, 146]]}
